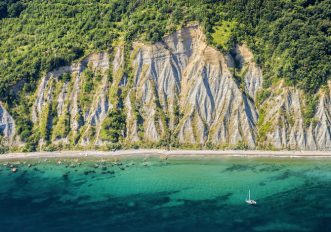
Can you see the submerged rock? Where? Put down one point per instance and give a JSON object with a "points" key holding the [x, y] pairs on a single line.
{"points": [[65, 175], [89, 172]]}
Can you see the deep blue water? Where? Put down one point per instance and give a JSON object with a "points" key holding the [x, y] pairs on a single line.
{"points": [[178, 194]]}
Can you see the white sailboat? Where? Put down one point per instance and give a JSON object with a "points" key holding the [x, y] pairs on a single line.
{"points": [[249, 200]]}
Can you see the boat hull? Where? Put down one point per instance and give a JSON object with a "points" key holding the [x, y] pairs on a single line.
{"points": [[251, 202]]}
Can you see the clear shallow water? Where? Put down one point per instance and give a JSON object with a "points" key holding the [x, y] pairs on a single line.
{"points": [[178, 194]]}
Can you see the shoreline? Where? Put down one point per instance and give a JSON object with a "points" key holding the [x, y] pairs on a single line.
{"points": [[160, 152]]}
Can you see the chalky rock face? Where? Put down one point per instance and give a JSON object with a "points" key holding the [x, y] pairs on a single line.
{"points": [[179, 88], [322, 129], [252, 73], [184, 72], [285, 122], [7, 124], [66, 96]]}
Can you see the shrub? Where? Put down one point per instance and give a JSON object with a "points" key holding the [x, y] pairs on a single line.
{"points": [[241, 146]]}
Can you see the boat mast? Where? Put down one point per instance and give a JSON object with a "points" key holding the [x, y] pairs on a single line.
{"points": [[249, 194]]}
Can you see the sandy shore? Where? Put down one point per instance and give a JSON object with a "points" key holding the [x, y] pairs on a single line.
{"points": [[155, 152]]}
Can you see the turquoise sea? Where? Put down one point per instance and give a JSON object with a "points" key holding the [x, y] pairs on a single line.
{"points": [[174, 194]]}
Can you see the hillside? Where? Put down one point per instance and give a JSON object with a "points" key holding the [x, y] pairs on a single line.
{"points": [[214, 74]]}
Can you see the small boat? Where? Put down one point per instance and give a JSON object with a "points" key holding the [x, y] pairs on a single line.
{"points": [[249, 200]]}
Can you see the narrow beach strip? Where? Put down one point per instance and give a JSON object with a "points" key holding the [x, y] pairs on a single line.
{"points": [[159, 152]]}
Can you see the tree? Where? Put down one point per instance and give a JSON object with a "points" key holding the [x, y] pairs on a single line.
{"points": [[15, 9]]}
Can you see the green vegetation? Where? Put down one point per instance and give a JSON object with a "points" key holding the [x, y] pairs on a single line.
{"points": [[10, 8], [66, 77], [241, 146], [3, 145], [113, 127], [223, 35], [62, 127], [140, 123], [309, 110], [263, 129], [290, 39], [44, 126], [89, 83], [261, 96]]}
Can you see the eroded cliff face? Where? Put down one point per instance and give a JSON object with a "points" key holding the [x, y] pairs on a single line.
{"points": [[283, 122], [196, 91], [73, 101], [7, 125], [179, 90]]}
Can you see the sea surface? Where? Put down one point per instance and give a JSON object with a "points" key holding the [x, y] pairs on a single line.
{"points": [[166, 194]]}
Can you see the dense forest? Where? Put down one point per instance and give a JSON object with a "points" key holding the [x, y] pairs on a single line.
{"points": [[11, 8], [290, 38]]}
